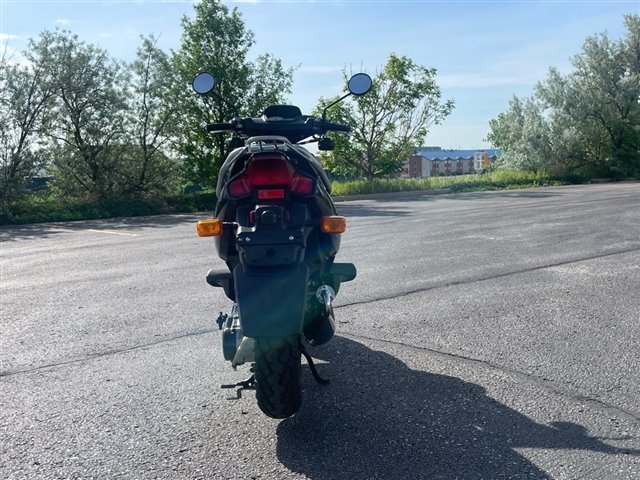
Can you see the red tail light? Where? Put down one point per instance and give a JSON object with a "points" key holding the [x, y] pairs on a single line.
{"points": [[301, 184], [270, 171]]}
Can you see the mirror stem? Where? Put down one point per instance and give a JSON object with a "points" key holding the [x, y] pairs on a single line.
{"points": [[324, 112], [235, 109]]}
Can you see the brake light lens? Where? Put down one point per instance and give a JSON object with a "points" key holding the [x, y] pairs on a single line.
{"points": [[333, 224], [301, 184], [240, 187], [270, 171], [209, 228]]}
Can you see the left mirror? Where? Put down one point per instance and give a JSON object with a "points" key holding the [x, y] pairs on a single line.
{"points": [[360, 84], [203, 83]]}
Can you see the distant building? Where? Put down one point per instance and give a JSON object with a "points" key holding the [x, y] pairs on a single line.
{"points": [[433, 162]]}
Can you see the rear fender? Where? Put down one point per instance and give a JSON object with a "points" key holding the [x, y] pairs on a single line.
{"points": [[271, 303]]}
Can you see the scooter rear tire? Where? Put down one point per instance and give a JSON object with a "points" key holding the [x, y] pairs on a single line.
{"points": [[277, 373]]}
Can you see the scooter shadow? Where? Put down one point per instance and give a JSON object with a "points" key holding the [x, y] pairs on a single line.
{"points": [[378, 419]]}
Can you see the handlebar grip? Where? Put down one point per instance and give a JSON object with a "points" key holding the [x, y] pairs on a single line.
{"points": [[218, 127], [336, 127]]}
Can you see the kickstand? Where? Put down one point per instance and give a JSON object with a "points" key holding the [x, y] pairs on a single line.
{"points": [[249, 384], [312, 366]]}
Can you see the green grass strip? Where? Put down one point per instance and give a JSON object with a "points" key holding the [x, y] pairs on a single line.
{"points": [[459, 183]]}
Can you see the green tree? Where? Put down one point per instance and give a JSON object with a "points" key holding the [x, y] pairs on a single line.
{"points": [[269, 82], [588, 119], [25, 95], [339, 160], [599, 98], [389, 121], [89, 147], [153, 122], [217, 41], [524, 135]]}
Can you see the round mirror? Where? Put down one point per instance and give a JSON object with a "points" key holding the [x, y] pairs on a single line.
{"points": [[203, 83], [360, 84]]}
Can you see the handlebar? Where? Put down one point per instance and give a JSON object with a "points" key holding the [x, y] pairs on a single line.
{"points": [[219, 127], [294, 131], [336, 127]]}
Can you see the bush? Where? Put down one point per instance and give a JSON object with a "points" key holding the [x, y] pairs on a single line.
{"points": [[37, 209], [192, 202]]}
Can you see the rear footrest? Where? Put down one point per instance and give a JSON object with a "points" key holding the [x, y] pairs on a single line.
{"points": [[222, 279], [343, 272]]}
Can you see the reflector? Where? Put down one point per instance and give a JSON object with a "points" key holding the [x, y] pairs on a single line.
{"points": [[270, 194]]}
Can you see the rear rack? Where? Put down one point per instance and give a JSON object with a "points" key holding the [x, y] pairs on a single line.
{"points": [[267, 143]]}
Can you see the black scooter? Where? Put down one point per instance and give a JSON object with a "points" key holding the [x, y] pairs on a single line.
{"points": [[277, 229]]}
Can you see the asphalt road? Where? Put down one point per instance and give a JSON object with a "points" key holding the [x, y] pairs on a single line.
{"points": [[488, 335]]}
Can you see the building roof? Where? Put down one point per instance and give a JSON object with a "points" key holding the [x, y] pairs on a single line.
{"points": [[432, 154]]}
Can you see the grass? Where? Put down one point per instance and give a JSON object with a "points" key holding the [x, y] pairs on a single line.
{"points": [[498, 180]]}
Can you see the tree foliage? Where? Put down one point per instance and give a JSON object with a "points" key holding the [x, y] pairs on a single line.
{"points": [[525, 130], [105, 129], [217, 41], [154, 119], [25, 96], [588, 119], [389, 121], [88, 116]]}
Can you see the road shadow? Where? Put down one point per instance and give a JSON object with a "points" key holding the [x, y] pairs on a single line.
{"points": [[371, 210], [378, 419], [45, 230], [402, 204], [533, 194]]}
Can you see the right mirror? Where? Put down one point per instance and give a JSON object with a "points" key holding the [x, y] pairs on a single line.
{"points": [[360, 84], [203, 83]]}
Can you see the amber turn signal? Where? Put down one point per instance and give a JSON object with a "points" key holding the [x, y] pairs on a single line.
{"points": [[209, 228], [333, 224]]}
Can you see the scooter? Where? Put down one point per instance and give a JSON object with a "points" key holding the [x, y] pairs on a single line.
{"points": [[277, 229]]}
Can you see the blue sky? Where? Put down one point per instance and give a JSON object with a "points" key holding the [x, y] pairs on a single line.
{"points": [[484, 51]]}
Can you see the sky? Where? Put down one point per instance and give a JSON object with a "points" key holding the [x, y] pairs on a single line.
{"points": [[484, 51]]}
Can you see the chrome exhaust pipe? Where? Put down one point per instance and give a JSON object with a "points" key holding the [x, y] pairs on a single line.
{"points": [[326, 326], [325, 295], [244, 353]]}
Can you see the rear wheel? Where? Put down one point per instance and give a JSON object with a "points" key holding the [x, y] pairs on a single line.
{"points": [[277, 373]]}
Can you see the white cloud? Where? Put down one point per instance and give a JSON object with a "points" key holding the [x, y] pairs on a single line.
{"points": [[485, 79], [459, 136], [62, 21], [4, 37], [106, 35], [11, 56], [519, 70]]}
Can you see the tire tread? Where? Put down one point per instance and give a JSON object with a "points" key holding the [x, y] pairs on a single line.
{"points": [[277, 373]]}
